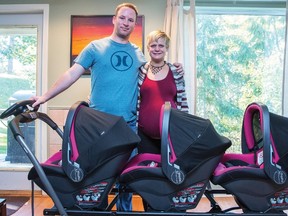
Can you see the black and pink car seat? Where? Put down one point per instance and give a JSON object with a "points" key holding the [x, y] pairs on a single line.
{"points": [[175, 180], [96, 147], [257, 177]]}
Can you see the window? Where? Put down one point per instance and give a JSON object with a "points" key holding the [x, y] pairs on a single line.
{"points": [[18, 56], [26, 18], [240, 59]]}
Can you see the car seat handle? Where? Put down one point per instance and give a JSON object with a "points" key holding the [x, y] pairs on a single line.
{"points": [[273, 170], [71, 167], [170, 169]]}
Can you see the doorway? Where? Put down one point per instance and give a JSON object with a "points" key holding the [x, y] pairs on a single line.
{"points": [[23, 66]]}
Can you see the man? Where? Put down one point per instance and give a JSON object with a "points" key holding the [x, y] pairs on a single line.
{"points": [[114, 64]]}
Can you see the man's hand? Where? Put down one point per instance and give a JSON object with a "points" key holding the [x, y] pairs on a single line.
{"points": [[179, 68], [38, 101]]}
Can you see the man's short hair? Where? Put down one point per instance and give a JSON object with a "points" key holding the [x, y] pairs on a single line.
{"points": [[129, 5]]}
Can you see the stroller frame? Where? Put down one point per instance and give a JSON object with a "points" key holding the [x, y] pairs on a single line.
{"points": [[24, 113]]}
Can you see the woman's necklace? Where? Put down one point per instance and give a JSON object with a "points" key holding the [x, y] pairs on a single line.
{"points": [[156, 69]]}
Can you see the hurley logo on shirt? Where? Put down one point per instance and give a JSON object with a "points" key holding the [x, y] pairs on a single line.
{"points": [[121, 61]]}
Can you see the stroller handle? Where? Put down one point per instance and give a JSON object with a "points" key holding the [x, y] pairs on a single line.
{"points": [[18, 108]]}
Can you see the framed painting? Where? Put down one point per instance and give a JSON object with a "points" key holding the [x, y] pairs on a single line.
{"points": [[85, 29]]}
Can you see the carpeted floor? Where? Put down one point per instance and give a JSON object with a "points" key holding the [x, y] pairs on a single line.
{"points": [[14, 203]]}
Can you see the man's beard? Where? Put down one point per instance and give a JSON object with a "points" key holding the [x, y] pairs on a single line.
{"points": [[124, 35]]}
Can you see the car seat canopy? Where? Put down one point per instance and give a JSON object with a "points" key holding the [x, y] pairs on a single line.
{"points": [[91, 138], [194, 139], [187, 141]]}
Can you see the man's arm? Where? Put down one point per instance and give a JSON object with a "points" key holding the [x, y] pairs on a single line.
{"points": [[63, 83]]}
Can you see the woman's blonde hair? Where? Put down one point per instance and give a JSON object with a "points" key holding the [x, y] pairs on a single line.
{"points": [[155, 35]]}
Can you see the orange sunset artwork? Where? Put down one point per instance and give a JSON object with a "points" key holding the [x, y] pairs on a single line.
{"points": [[85, 29]]}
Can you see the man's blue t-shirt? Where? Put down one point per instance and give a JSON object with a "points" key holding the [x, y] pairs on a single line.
{"points": [[114, 74]]}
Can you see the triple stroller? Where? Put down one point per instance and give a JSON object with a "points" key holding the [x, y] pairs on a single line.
{"points": [[96, 148]]}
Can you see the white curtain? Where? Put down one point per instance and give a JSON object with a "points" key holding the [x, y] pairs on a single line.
{"points": [[180, 25], [285, 71]]}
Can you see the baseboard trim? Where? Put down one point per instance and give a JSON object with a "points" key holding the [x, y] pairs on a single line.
{"points": [[19, 193]]}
